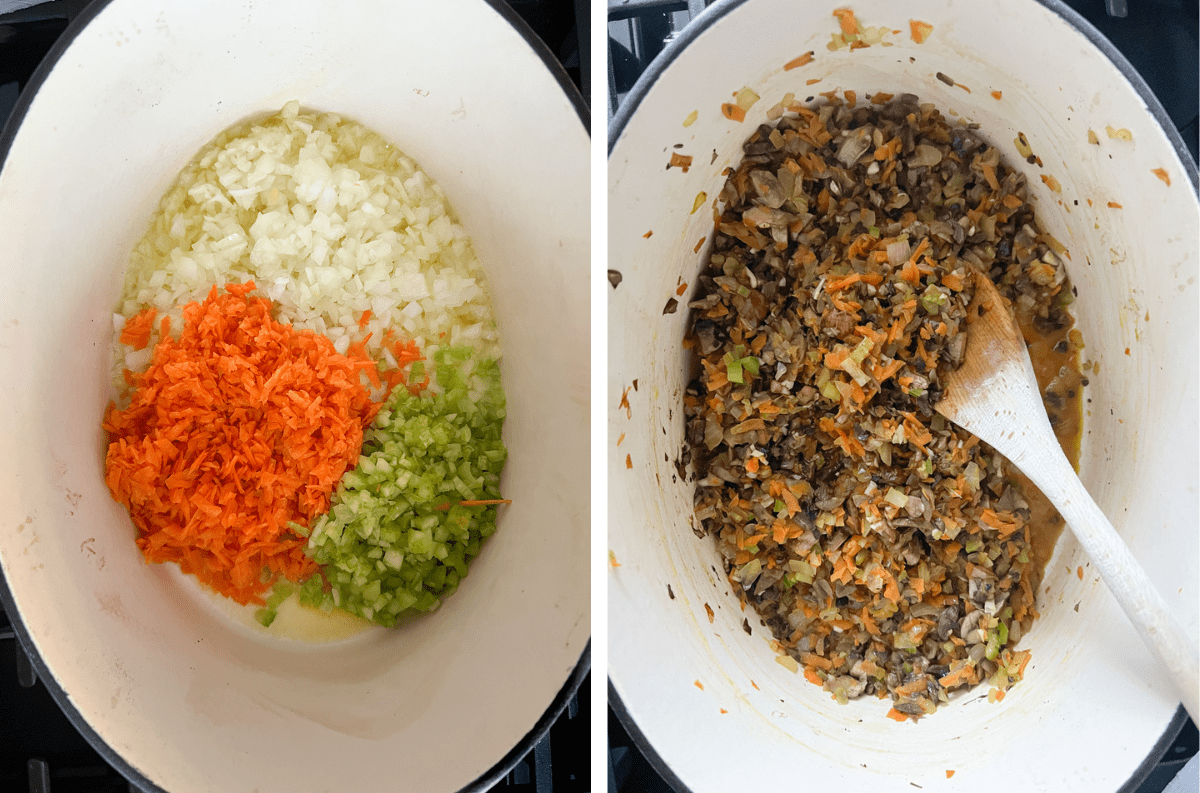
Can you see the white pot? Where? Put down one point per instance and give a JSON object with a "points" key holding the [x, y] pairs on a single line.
{"points": [[178, 696], [1093, 707]]}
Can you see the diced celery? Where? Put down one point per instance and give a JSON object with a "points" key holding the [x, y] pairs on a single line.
{"points": [[933, 299], [852, 368], [389, 545], [863, 349], [993, 646]]}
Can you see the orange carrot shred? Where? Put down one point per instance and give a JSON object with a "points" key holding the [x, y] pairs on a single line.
{"points": [[847, 21], [796, 63], [485, 502], [989, 173], [364, 319], [136, 332]]}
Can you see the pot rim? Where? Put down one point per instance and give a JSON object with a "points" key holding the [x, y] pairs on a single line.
{"points": [[617, 126], [541, 727]]}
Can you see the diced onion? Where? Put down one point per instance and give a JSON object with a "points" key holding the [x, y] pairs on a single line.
{"points": [[330, 220]]}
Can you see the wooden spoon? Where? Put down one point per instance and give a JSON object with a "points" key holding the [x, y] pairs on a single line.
{"points": [[995, 396]]}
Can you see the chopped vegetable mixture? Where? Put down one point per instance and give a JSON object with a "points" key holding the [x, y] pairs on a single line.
{"points": [[300, 445], [890, 552]]}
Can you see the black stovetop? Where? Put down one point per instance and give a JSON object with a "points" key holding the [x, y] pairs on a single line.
{"points": [[40, 751]]}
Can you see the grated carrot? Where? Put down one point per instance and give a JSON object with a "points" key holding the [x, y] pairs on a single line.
{"points": [[956, 677], [813, 659], [237, 429]]}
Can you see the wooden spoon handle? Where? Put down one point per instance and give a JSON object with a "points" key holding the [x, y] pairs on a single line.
{"points": [[994, 395], [1122, 574]]}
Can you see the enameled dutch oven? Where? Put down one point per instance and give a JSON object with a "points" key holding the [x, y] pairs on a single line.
{"points": [[170, 690], [1093, 713]]}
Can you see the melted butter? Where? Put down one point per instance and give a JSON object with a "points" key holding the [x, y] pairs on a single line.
{"points": [[1057, 373], [293, 621], [307, 624]]}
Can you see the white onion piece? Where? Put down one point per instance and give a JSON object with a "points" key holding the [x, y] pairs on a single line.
{"points": [[898, 252]]}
